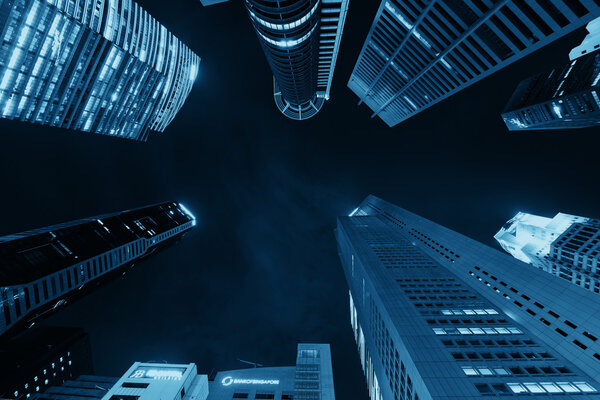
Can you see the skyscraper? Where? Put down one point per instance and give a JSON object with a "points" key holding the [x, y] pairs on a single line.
{"points": [[301, 40], [102, 66], [419, 53], [565, 97], [43, 268], [43, 357], [565, 246], [438, 315], [310, 379]]}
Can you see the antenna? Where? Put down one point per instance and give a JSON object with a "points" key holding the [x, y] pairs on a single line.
{"points": [[251, 363]]}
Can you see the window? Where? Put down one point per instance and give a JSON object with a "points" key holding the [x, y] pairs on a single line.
{"points": [[242, 396], [140, 385], [264, 396]]}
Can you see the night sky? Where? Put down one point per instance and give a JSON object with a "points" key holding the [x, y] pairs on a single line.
{"points": [[260, 271]]}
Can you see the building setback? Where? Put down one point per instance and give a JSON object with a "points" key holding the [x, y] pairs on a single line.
{"points": [[43, 268], [301, 40], [438, 315], [566, 246], [565, 97], [43, 357], [419, 53], [101, 66]]}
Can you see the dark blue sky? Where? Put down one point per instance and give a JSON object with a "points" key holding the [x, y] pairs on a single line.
{"points": [[260, 271]]}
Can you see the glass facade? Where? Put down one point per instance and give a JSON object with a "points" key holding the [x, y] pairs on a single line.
{"points": [[421, 52], [438, 315], [565, 97], [44, 267], [301, 40], [101, 66]]}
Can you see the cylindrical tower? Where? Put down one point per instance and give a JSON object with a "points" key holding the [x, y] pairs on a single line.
{"points": [[289, 34]]}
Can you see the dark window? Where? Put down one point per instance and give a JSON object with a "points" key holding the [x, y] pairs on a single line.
{"points": [[264, 396], [590, 336], [569, 323], [561, 332], [140, 385], [241, 395], [27, 301], [123, 397], [36, 293], [578, 343], [483, 388]]}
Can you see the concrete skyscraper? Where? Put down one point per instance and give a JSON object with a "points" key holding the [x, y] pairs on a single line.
{"points": [[301, 40], [102, 66], [565, 97], [566, 246], [437, 315], [421, 52], [310, 379], [43, 268]]}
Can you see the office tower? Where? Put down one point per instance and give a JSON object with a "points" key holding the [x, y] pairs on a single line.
{"points": [[419, 53], [88, 387], [565, 246], [438, 315], [311, 378], [151, 381], [42, 357], [44, 268], [301, 40], [102, 66], [565, 97]]}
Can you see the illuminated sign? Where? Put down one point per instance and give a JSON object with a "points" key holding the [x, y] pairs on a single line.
{"points": [[158, 373], [228, 380]]}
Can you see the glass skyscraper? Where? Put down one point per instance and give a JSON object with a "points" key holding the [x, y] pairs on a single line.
{"points": [[421, 52], [301, 40], [437, 315], [565, 97], [42, 268], [566, 245], [102, 66]]}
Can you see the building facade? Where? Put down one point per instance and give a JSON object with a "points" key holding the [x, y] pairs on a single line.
{"points": [[101, 66], [44, 268], [565, 246], [565, 97], [43, 357], [88, 387], [438, 315], [310, 379], [419, 53], [301, 40]]}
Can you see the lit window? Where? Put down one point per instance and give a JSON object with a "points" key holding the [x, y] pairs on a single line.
{"points": [[470, 371], [501, 371], [477, 331], [446, 312], [485, 371], [584, 387], [464, 331], [517, 388], [491, 311], [439, 331], [534, 388], [551, 387], [514, 330], [567, 387]]}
